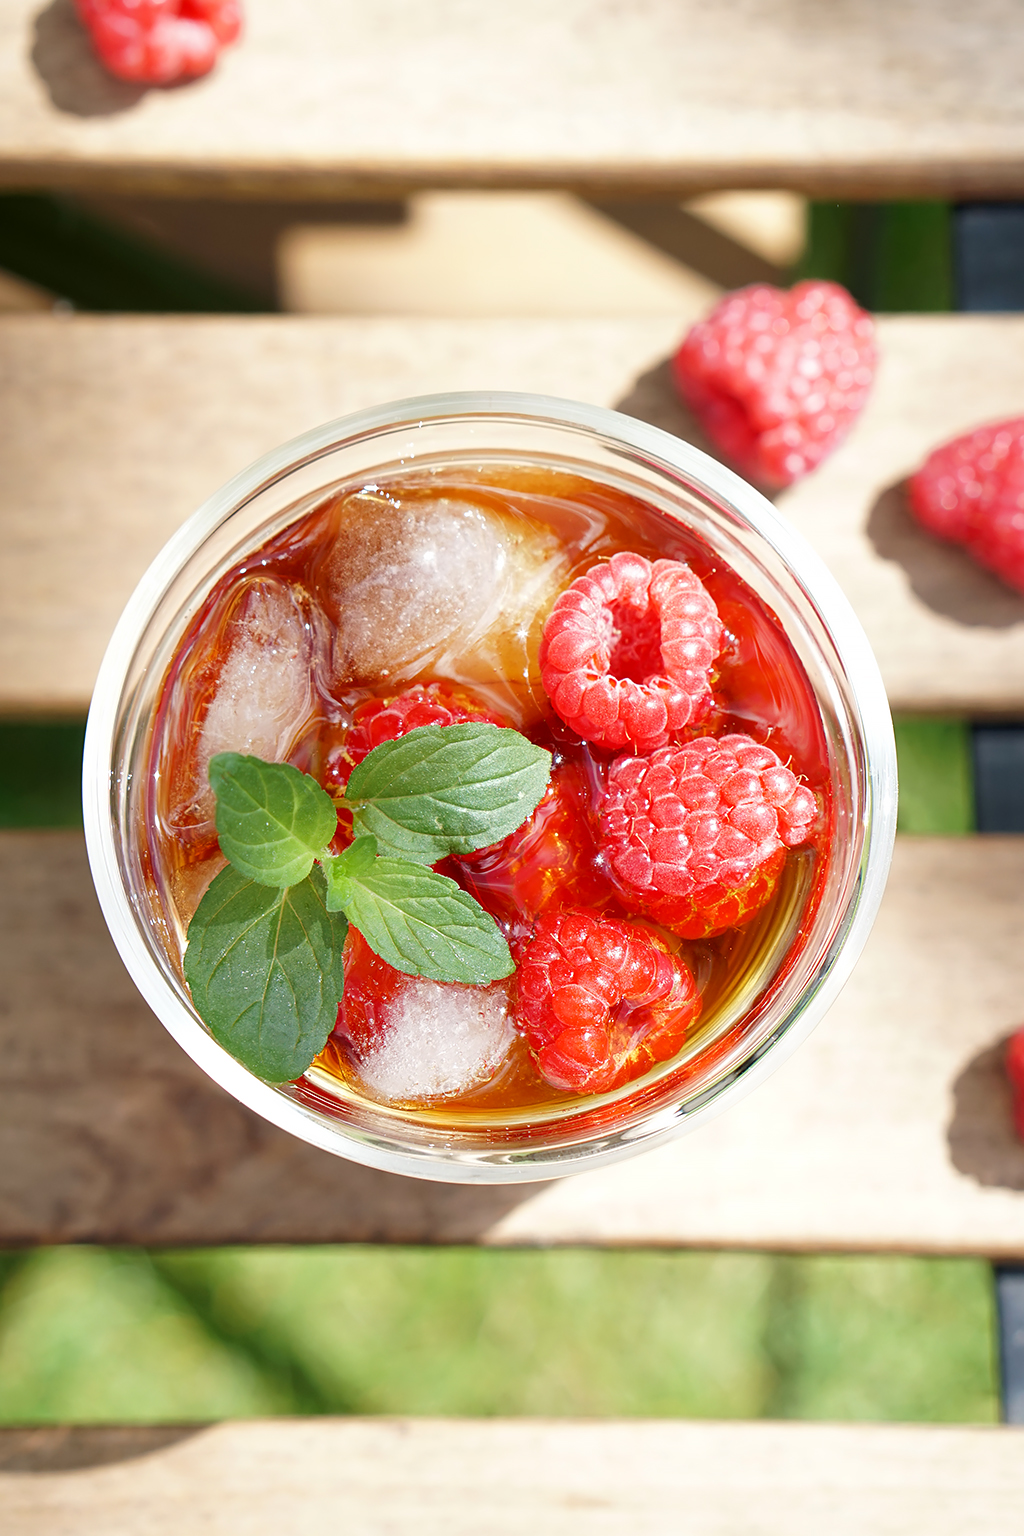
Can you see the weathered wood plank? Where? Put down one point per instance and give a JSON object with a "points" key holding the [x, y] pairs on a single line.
{"points": [[889, 1129], [328, 96], [446, 1478], [113, 430]]}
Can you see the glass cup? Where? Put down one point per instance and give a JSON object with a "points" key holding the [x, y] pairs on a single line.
{"points": [[781, 1004]]}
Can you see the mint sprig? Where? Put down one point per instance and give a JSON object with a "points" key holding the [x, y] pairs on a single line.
{"points": [[264, 954]]}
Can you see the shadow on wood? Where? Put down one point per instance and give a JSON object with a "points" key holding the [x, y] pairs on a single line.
{"points": [[981, 1136], [653, 398], [943, 576], [691, 240], [73, 75], [234, 238], [64, 1448]]}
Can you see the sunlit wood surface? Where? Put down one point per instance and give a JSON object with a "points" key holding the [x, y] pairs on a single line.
{"points": [[889, 1129], [112, 431], [453, 1478], [327, 96]]}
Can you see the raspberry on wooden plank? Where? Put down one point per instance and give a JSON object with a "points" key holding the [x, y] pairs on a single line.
{"points": [[777, 378], [1014, 1062], [600, 1001], [628, 650], [971, 491], [159, 42], [696, 835], [224, 17]]}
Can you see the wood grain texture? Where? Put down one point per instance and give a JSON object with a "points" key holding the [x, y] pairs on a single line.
{"points": [[329, 96], [368, 1477], [890, 1128], [112, 431]]}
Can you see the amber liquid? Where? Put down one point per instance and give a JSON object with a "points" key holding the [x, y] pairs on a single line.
{"points": [[761, 689]]}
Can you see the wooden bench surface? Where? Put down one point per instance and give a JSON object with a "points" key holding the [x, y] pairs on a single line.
{"points": [[889, 1129], [917, 96], [555, 1478], [113, 430]]}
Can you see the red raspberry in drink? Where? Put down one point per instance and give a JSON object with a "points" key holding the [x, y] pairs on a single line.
{"points": [[628, 650], [160, 41], [600, 1001], [778, 378], [696, 835], [379, 720], [971, 492]]}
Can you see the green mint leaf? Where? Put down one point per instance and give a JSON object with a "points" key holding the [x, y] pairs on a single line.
{"points": [[357, 858], [341, 869], [272, 820], [265, 972], [447, 789], [420, 922], [346, 867]]}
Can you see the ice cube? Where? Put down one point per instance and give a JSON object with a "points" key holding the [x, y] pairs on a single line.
{"points": [[428, 584], [438, 1039], [251, 686], [407, 578]]}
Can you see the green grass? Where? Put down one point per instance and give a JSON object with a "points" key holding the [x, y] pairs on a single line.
{"points": [[41, 774], [93, 1335], [95, 265], [893, 257], [936, 775]]}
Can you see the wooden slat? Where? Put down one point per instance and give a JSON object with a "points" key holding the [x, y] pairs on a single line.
{"points": [[113, 430], [890, 1128], [450, 1478], [918, 96]]}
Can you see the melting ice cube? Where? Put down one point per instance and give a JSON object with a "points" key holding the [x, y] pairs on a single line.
{"points": [[437, 1040], [262, 696], [420, 582]]}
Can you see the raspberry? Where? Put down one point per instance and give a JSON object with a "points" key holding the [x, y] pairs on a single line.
{"points": [[1015, 1072], [160, 41], [627, 652], [371, 984], [696, 835], [551, 859], [971, 492], [600, 1001], [380, 720], [777, 378]]}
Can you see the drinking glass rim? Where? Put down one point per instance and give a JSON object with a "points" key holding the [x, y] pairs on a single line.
{"points": [[706, 475]]}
